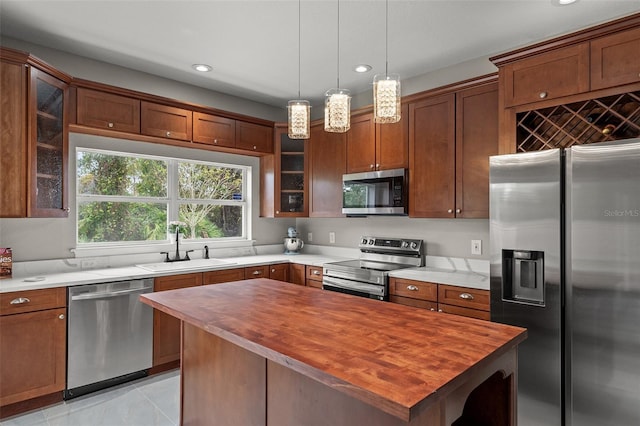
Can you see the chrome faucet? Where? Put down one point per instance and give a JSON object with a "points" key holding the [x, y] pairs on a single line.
{"points": [[177, 257]]}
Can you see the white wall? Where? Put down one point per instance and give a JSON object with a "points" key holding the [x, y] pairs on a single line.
{"points": [[444, 237]]}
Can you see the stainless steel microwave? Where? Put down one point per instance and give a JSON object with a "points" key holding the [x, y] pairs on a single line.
{"points": [[370, 193]]}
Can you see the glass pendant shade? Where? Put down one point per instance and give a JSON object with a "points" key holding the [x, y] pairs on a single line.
{"points": [[337, 110], [299, 119], [386, 98]]}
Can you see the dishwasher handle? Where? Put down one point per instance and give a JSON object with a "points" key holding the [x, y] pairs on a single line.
{"points": [[108, 294]]}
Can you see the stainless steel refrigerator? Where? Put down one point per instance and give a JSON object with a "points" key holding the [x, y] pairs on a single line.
{"points": [[565, 264]]}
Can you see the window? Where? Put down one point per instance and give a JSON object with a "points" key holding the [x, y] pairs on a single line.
{"points": [[130, 198]]}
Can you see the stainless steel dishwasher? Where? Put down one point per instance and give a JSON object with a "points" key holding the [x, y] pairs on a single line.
{"points": [[109, 335]]}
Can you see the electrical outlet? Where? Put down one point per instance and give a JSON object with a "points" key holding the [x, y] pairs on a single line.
{"points": [[309, 236], [332, 237], [476, 246]]}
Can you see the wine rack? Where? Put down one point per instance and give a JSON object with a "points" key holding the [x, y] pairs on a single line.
{"points": [[595, 120]]}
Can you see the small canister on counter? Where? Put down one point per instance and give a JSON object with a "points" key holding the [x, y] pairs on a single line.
{"points": [[6, 262]]}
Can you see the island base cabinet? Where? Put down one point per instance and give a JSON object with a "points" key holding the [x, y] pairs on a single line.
{"points": [[223, 383]]}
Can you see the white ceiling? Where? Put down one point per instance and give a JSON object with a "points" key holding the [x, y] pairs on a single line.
{"points": [[253, 45]]}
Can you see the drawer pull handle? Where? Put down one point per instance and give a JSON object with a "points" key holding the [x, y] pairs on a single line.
{"points": [[273, 270], [543, 95], [412, 288], [432, 309], [20, 301], [440, 310], [466, 296], [314, 272], [61, 316], [450, 211], [256, 272], [110, 125], [168, 134]]}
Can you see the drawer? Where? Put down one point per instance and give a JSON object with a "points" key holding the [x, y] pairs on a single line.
{"points": [[465, 312], [174, 282], [314, 273], [256, 272], [224, 276], [463, 297], [416, 303], [32, 300], [314, 284], [413, 289]]}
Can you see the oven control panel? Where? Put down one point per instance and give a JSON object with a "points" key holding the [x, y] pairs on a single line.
{"points": [[391, 245]]}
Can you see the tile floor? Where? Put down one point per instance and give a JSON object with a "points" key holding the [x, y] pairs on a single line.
{"points": [[151, 401]]}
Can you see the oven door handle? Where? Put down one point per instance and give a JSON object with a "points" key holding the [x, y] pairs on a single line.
{"points": [[353, 285]]}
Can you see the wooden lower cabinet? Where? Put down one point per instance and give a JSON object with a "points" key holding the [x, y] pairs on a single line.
{"points": [[314, 276], [32, 348], [166, 329], [222, 276], [279, 272], [297, 273], [449, 299]]}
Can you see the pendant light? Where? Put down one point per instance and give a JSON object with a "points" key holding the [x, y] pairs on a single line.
{"points": [[386, 87], [299, 110], [337, 102]]}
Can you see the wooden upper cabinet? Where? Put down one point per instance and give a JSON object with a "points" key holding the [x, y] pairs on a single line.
{"points": [[361, 146], [548, 75], [372, 147], [291, 174], [432, 157], [13, 139], [107, 111], [254, 137], [165, 121], [392, 143], [327, 164], [615, 59], [476, 141], [49, 146], [213, 130]]}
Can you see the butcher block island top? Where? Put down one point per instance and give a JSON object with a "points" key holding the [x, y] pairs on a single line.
{"points": [[400, 360]]}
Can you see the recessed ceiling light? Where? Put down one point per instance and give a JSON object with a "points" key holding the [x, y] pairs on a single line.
{"points": [[362, 68], [563, 2], [202, 67]]}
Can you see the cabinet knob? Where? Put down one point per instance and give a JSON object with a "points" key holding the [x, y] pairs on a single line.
{"points": [[168, 133], [67, 209], [458, 210], [61, 316], [256, 272], [273, 270], [314, 272], [412, 288], [277, 211], [215, 141], [542, 95], [450, 211], [377, 166], [371, 166], [110, 125], [255, 147], [466, 296], [19, 301], [432, 309], [440, 310]]}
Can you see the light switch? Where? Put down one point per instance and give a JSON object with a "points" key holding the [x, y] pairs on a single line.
{"points": [[476, 247]]}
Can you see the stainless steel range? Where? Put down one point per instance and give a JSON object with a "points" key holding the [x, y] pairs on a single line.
{"points": [[368, 276]]}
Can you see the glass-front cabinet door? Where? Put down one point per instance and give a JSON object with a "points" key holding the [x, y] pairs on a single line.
{"points": [[48, 146], [291, 175]]}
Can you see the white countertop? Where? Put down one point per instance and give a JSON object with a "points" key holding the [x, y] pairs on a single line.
{"points": [[469, 273], [40, 280]]}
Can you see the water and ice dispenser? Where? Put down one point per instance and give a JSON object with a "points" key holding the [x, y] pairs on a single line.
{"points": [[523, 276]]}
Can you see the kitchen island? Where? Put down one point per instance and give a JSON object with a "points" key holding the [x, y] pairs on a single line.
{"points": [[262, 352]]}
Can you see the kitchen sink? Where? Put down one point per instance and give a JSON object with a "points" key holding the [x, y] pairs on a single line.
{"points": [[187, 264]]}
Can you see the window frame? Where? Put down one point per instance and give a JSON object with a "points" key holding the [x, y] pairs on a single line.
{"points": [[172, 200]]}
